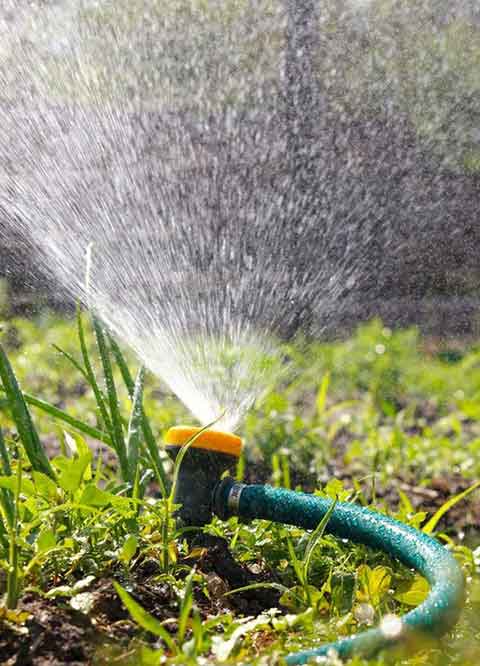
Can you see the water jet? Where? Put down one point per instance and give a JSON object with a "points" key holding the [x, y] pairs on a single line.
{"points": [[235, 177]]}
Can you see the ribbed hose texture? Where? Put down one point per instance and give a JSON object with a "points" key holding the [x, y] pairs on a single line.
{"points": [[436, 615]]}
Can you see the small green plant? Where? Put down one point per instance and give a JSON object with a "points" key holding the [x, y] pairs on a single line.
{"points": [[73, 517]]}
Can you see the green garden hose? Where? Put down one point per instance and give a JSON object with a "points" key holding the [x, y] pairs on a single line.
{"points": [[199, 492], [436, 615]]}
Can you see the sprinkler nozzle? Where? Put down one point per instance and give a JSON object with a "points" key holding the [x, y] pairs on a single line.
{"points": [[211, 453]]}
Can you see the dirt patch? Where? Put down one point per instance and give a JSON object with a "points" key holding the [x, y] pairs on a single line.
{"points": [[224, 573], [55, 633]]}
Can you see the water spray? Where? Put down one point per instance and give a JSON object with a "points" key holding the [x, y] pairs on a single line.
{"points": [[202, 492]]}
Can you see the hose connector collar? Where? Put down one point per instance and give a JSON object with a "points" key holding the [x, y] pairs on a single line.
{"points": [[233, 499], [226, 498]]}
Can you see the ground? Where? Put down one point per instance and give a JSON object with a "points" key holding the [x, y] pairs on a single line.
{"points": [[387, 419]]}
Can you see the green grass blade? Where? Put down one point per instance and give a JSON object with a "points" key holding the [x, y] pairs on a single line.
{"points": [[260, 586], [23, 420], [322, 394], [4, 457], [432, 523], [295, 562], [116, 419], [60, 415], [6, 497], [144, 619], [13, 573], [122, 365], [73, 361], [4, 541], [185, 607], [91, 377], [135, 424], [148, 436], [315, 537]]}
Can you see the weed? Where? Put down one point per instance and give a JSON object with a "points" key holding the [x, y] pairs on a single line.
{"points": [[392, 420]]}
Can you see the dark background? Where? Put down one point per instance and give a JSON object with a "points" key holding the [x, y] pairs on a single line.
{"points": [[430, 274]]}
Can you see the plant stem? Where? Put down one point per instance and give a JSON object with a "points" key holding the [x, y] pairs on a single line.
{"points": [[12, 579]]}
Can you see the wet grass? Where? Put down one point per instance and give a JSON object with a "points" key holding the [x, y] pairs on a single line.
{"points": [[88, 548]]}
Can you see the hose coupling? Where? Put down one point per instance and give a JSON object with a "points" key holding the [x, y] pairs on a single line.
{"points": [[233, 499], [226, 498]]}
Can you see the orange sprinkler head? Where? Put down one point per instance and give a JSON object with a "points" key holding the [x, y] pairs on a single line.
{"points": [[212, 440], [210, 454]]}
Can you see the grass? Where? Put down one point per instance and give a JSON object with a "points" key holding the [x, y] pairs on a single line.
{"points": [[384, 418]]}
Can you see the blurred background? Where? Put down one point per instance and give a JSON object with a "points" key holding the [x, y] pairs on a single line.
{"points": [[387, 89]]}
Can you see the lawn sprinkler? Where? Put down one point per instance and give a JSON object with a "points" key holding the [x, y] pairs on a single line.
{"points": [[211, 454], [201, 491]]}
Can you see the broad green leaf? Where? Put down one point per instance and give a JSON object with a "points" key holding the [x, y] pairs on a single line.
{"points": [[72, 471], [93, 496], [45, 486], [471, 408], [335, 489], [373, 584], [14, 616], [291, 620], [77, 445], [46, 540], [128, 549], [60, 591], [413, 593], [10, 483]]}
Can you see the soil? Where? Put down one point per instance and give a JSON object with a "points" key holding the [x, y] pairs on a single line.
{"points": [[55, 633]]}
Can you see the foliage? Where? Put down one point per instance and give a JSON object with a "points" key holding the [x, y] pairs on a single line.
{"points": [[377, 403]]}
